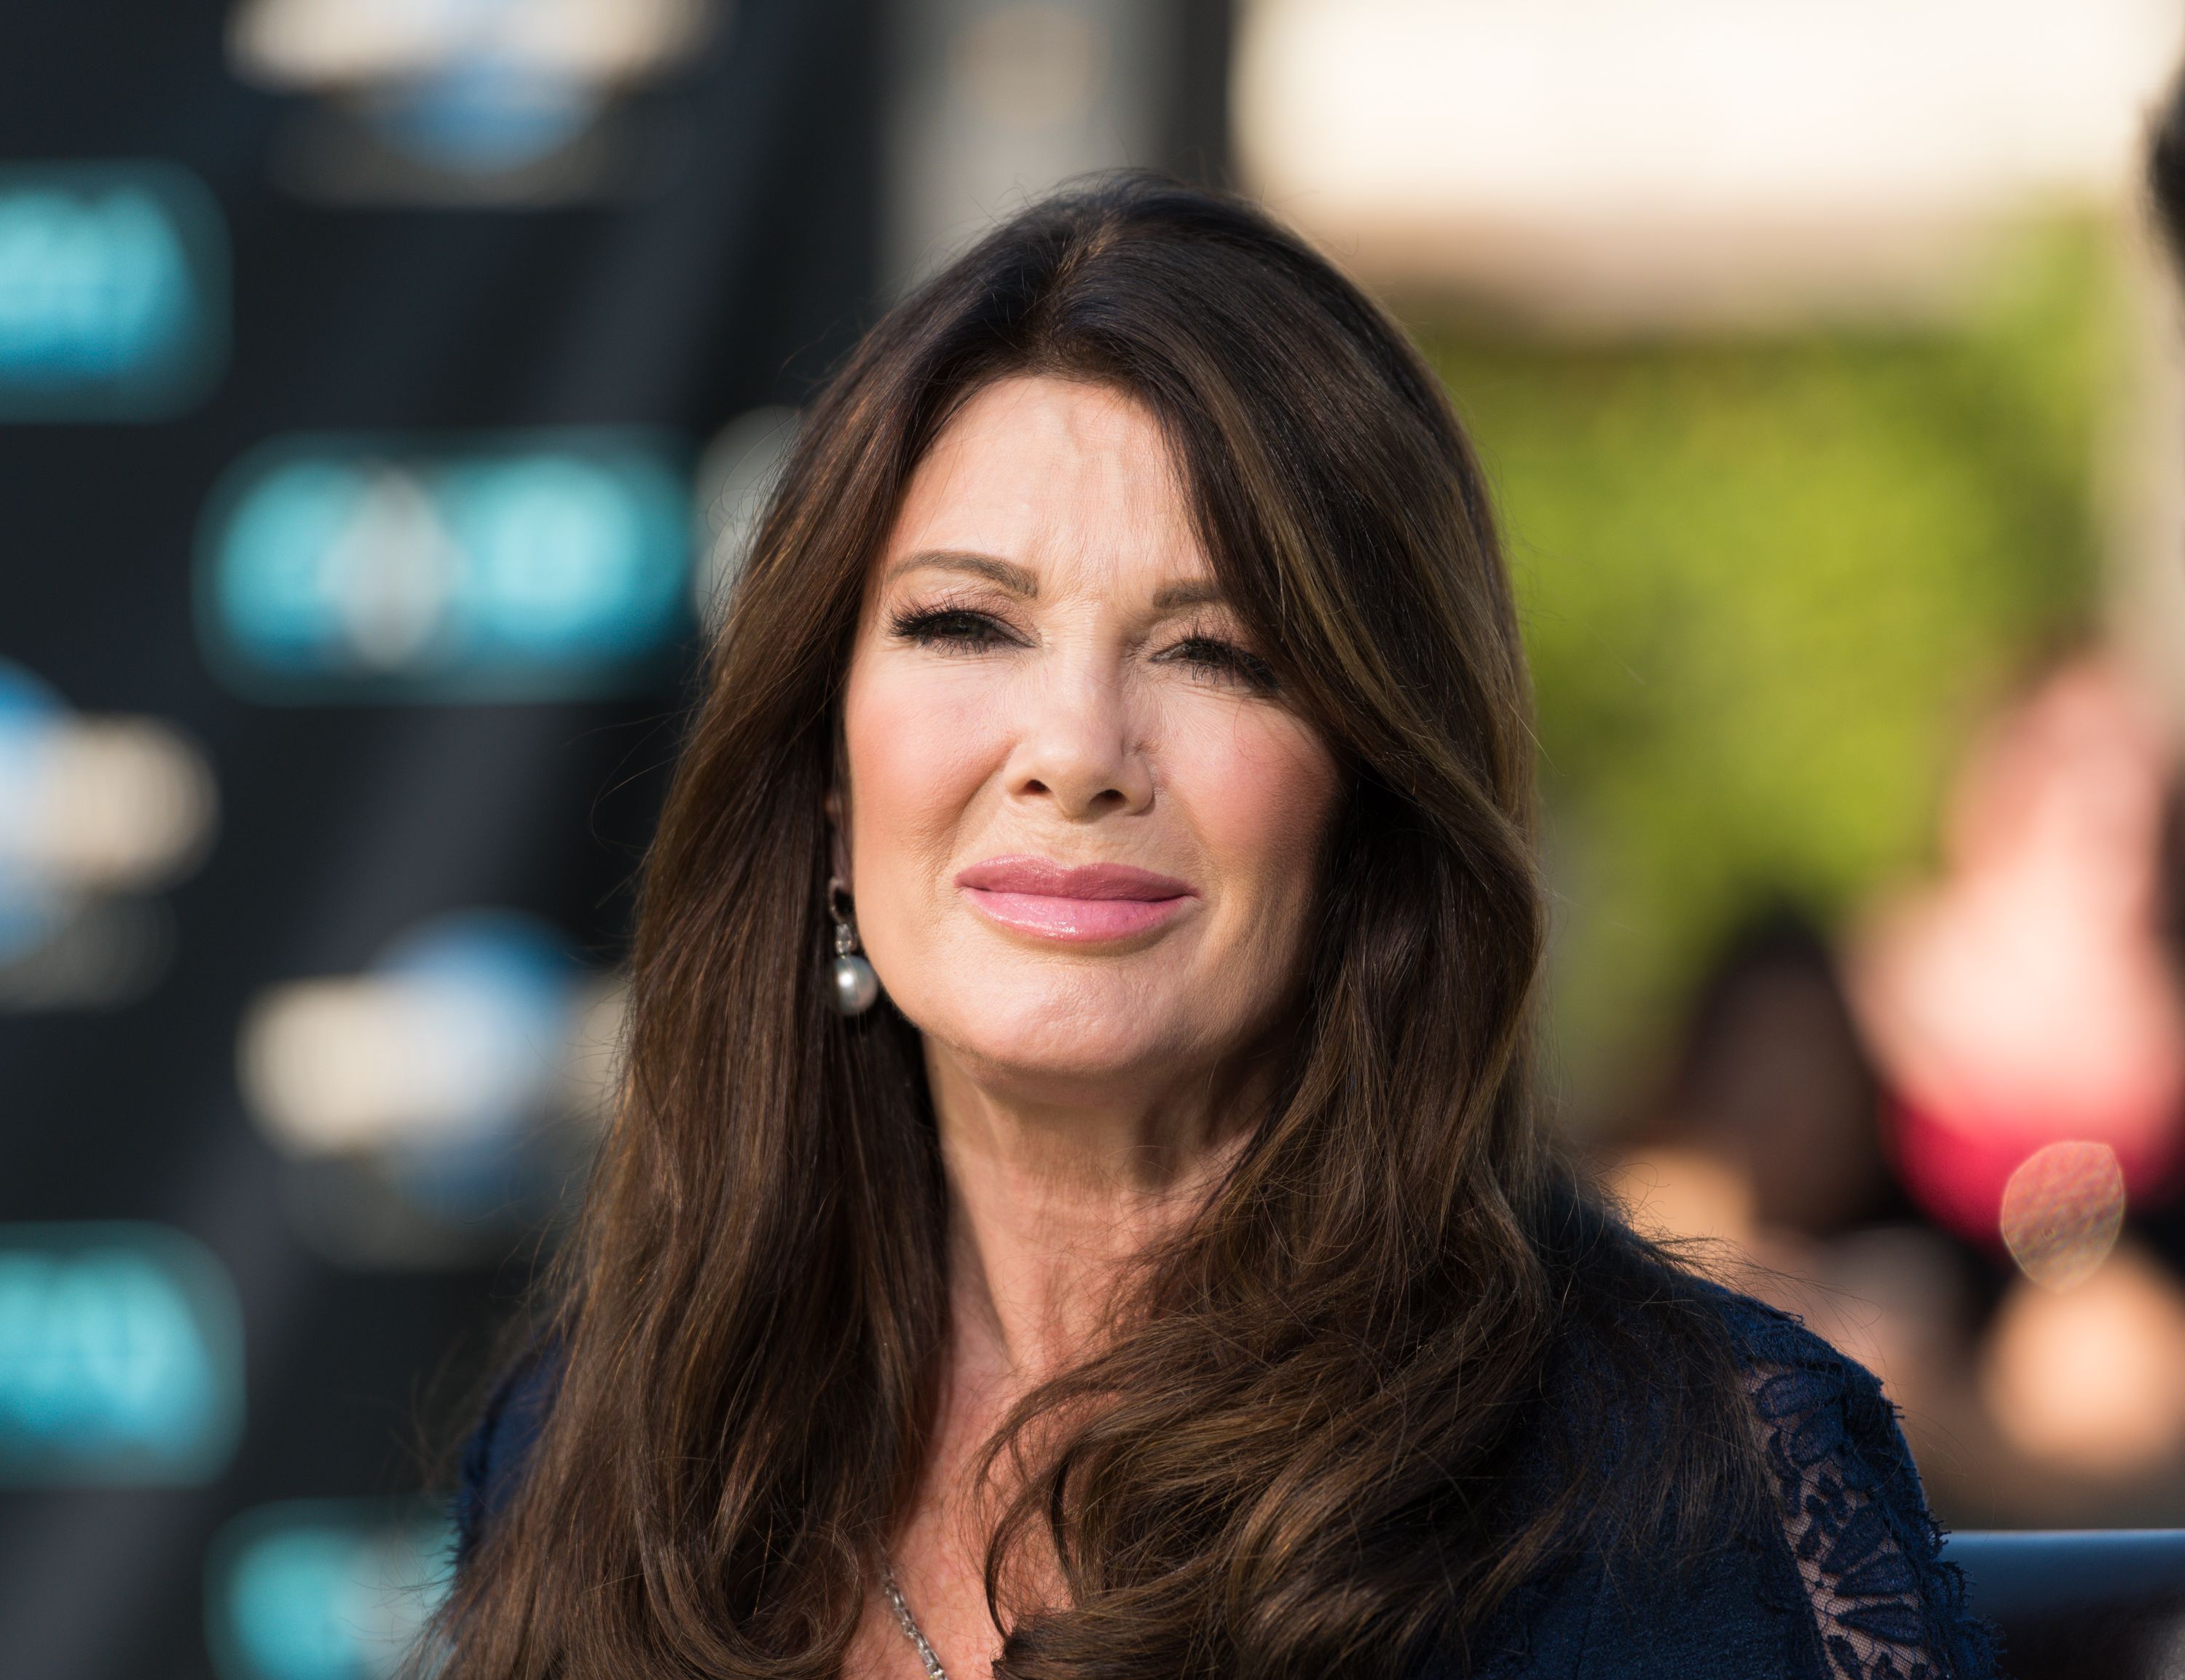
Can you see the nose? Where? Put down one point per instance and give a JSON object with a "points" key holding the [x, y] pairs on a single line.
{"points": [[1077, 746]]}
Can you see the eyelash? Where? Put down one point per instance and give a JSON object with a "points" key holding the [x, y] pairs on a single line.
{"points": [[1212, 654], [957, 629]]}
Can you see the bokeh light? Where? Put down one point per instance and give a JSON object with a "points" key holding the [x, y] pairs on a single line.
{"points": [[462, 1079], [2091, 1382], [2026, 998], [120, 1356], [545, 567], [489, 92], [2062, 1210], [113, 290], [323, 1590], [95, 813]]}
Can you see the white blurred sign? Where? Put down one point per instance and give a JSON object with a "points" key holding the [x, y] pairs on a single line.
{"points": [[320, 43], [461, 101], [1424, 138]]}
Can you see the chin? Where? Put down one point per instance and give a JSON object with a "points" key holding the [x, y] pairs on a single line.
{"points": [[1060, 1032]]}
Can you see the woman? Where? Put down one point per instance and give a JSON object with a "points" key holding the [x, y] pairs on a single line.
{"points": [[1165, 1275]]}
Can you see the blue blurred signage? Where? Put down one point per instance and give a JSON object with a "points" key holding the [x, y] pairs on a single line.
{"points": [[30, 717], [450, 1094], [535, 566], [465, 101], [120, 1356], [96, 815], [113, 299], [511, 982], [323, 1590]]}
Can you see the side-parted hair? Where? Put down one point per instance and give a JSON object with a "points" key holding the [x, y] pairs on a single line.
{"points": [[1323, 1439]]}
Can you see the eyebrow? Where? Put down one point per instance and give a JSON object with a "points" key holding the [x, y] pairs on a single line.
{"points": [[1019, 581], [1200, 592], [1011, 576]]}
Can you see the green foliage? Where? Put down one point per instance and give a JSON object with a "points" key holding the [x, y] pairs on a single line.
{"points": [[1769, 587]]}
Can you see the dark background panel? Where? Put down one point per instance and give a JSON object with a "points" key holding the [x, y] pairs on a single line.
{"points": [[743, 269]]}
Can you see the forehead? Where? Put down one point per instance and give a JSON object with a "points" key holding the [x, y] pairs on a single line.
{"points": [[1057, 475]]}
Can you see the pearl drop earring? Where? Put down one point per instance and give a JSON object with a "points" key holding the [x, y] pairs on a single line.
{"points": [[857, 987]]}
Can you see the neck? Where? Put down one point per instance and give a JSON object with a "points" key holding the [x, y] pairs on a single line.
{"points": [[1051, 1202]]}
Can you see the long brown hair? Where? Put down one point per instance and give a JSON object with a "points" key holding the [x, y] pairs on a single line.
{"points": [[1323, 1439]]}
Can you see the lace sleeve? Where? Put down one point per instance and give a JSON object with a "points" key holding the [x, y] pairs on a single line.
{"points": [[1884, 1604]]}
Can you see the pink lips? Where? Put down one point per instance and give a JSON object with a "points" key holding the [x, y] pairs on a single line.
{"points": [[1081, 904]]}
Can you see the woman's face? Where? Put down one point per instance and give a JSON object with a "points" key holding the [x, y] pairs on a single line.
{"points": [[1081, 822]]}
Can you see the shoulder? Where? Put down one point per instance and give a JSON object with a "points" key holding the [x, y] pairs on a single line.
{"points": [[1752, 1506], [500, 1443], [1837, 1556], [1853, 1514], [1826, 1432]]}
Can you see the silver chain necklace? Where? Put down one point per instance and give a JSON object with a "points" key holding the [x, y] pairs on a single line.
{"points": [[909, 1623]]}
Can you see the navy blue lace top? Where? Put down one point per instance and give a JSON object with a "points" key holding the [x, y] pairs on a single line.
{"points": [[1844, 1583]]}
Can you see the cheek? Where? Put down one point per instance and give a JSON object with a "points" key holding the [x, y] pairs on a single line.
{"points": [[920, 746], [1262, 790]]}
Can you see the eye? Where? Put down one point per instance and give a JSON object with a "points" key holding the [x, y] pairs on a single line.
{"points": [[955, 629], [1211, 657]]}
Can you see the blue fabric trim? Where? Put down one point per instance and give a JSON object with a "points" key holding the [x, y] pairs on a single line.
{"points": [[499, 1446]]}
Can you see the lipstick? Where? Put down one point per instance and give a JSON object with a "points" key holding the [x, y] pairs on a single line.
{"points": [[1076, 903]]}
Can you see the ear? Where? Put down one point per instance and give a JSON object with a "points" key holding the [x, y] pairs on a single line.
{"points": [[838, 837]]}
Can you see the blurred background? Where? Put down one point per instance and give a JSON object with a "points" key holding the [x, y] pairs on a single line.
{"points": [[387, 388]]}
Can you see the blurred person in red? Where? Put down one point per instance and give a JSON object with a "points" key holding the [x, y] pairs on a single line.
{"points": [[2026, 999], [2010, 1040], [2026, 1013]]}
